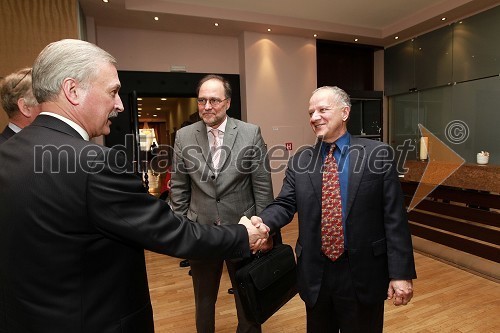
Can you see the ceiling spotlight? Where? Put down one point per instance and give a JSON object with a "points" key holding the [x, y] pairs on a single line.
{"points": [[158, 109], [216, 24], [355, 39], [106, 1], [163, 99], [443, 19], [269, 29], [396, 37], [315, 35], [139, 98], [155, 115], [140, 109], [156, 18]]}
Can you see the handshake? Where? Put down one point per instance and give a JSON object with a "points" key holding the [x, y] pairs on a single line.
{"points": [[258, 234]]}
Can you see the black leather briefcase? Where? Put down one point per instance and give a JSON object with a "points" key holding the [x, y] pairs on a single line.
{"points": [[267, 282]]}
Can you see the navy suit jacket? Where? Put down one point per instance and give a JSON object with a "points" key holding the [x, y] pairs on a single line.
{"points": [[6, 134], [378, 237], [74, 222]]}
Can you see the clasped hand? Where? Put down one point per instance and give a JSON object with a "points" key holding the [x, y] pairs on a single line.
{"points": [[401, 291], [258, 233]]}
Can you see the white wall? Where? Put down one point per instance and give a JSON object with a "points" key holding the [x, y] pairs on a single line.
{"points": [[279, 73], [156, 51]]}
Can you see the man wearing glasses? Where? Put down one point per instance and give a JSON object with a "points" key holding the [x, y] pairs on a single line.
{"points": [[18, 102], [220, 173]]}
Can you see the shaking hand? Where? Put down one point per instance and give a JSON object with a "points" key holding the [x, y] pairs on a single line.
{"points": [[258, 233]]}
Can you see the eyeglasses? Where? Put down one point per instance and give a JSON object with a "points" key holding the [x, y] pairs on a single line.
{"points": [[14, 87], [212, 101]]}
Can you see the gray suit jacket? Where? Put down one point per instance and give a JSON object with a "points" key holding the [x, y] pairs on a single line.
{"points": [[242, 186]]}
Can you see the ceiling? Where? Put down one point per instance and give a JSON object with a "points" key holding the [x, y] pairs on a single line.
{"points": [[372, 22]]}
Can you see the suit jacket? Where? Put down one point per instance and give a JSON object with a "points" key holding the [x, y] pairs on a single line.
{"points": [[378, 238], [75, 221], [6, 134], [242, 187]]}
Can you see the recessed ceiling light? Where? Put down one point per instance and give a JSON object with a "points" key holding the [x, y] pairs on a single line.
{"points": [[216, 24], [139, 98], [443, 19], [106, 1], [396, 37], [315, 35], [140, 109], [163, 99], [269, 29], [158, 109], [155, 115], [156, 18], [139, 115], [355, 39]]}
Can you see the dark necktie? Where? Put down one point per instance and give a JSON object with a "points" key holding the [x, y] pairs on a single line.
{"points": [[332, 233]]}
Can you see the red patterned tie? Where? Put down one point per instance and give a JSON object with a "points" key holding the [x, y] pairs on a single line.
{"points": [[332, 233]]}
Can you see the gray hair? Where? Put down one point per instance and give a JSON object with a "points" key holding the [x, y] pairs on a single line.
{"points": [[15, 86], [339, 95], [67, 58]]}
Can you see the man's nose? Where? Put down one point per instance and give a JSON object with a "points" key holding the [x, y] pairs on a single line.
{"points": [[315, 116], [119, 105]]}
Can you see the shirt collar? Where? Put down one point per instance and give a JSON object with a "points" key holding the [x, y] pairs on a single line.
{"points": [[71, 123], [222, 127], [342, 144], [15, 128]]}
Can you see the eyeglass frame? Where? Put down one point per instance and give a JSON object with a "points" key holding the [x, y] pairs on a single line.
{"points": [[24, 76], [213, 101]]}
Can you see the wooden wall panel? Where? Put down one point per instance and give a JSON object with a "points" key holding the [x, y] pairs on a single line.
{"points": [[27, 26]]}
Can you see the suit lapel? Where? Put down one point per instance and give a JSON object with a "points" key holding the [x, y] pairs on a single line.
{"points": [[202, 141], [357, 163], [314, 170]]}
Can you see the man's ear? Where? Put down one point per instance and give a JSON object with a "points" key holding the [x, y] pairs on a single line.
{"points": [[345, 113], [71, 91], [23, 107]]}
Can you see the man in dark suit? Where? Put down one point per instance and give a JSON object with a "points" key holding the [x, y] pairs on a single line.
{"points": [[75, 219], [215, 179], [18, 102], [376, 262]]}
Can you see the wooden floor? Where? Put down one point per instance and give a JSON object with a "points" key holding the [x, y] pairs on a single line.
{"points": [[447, 299]]}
